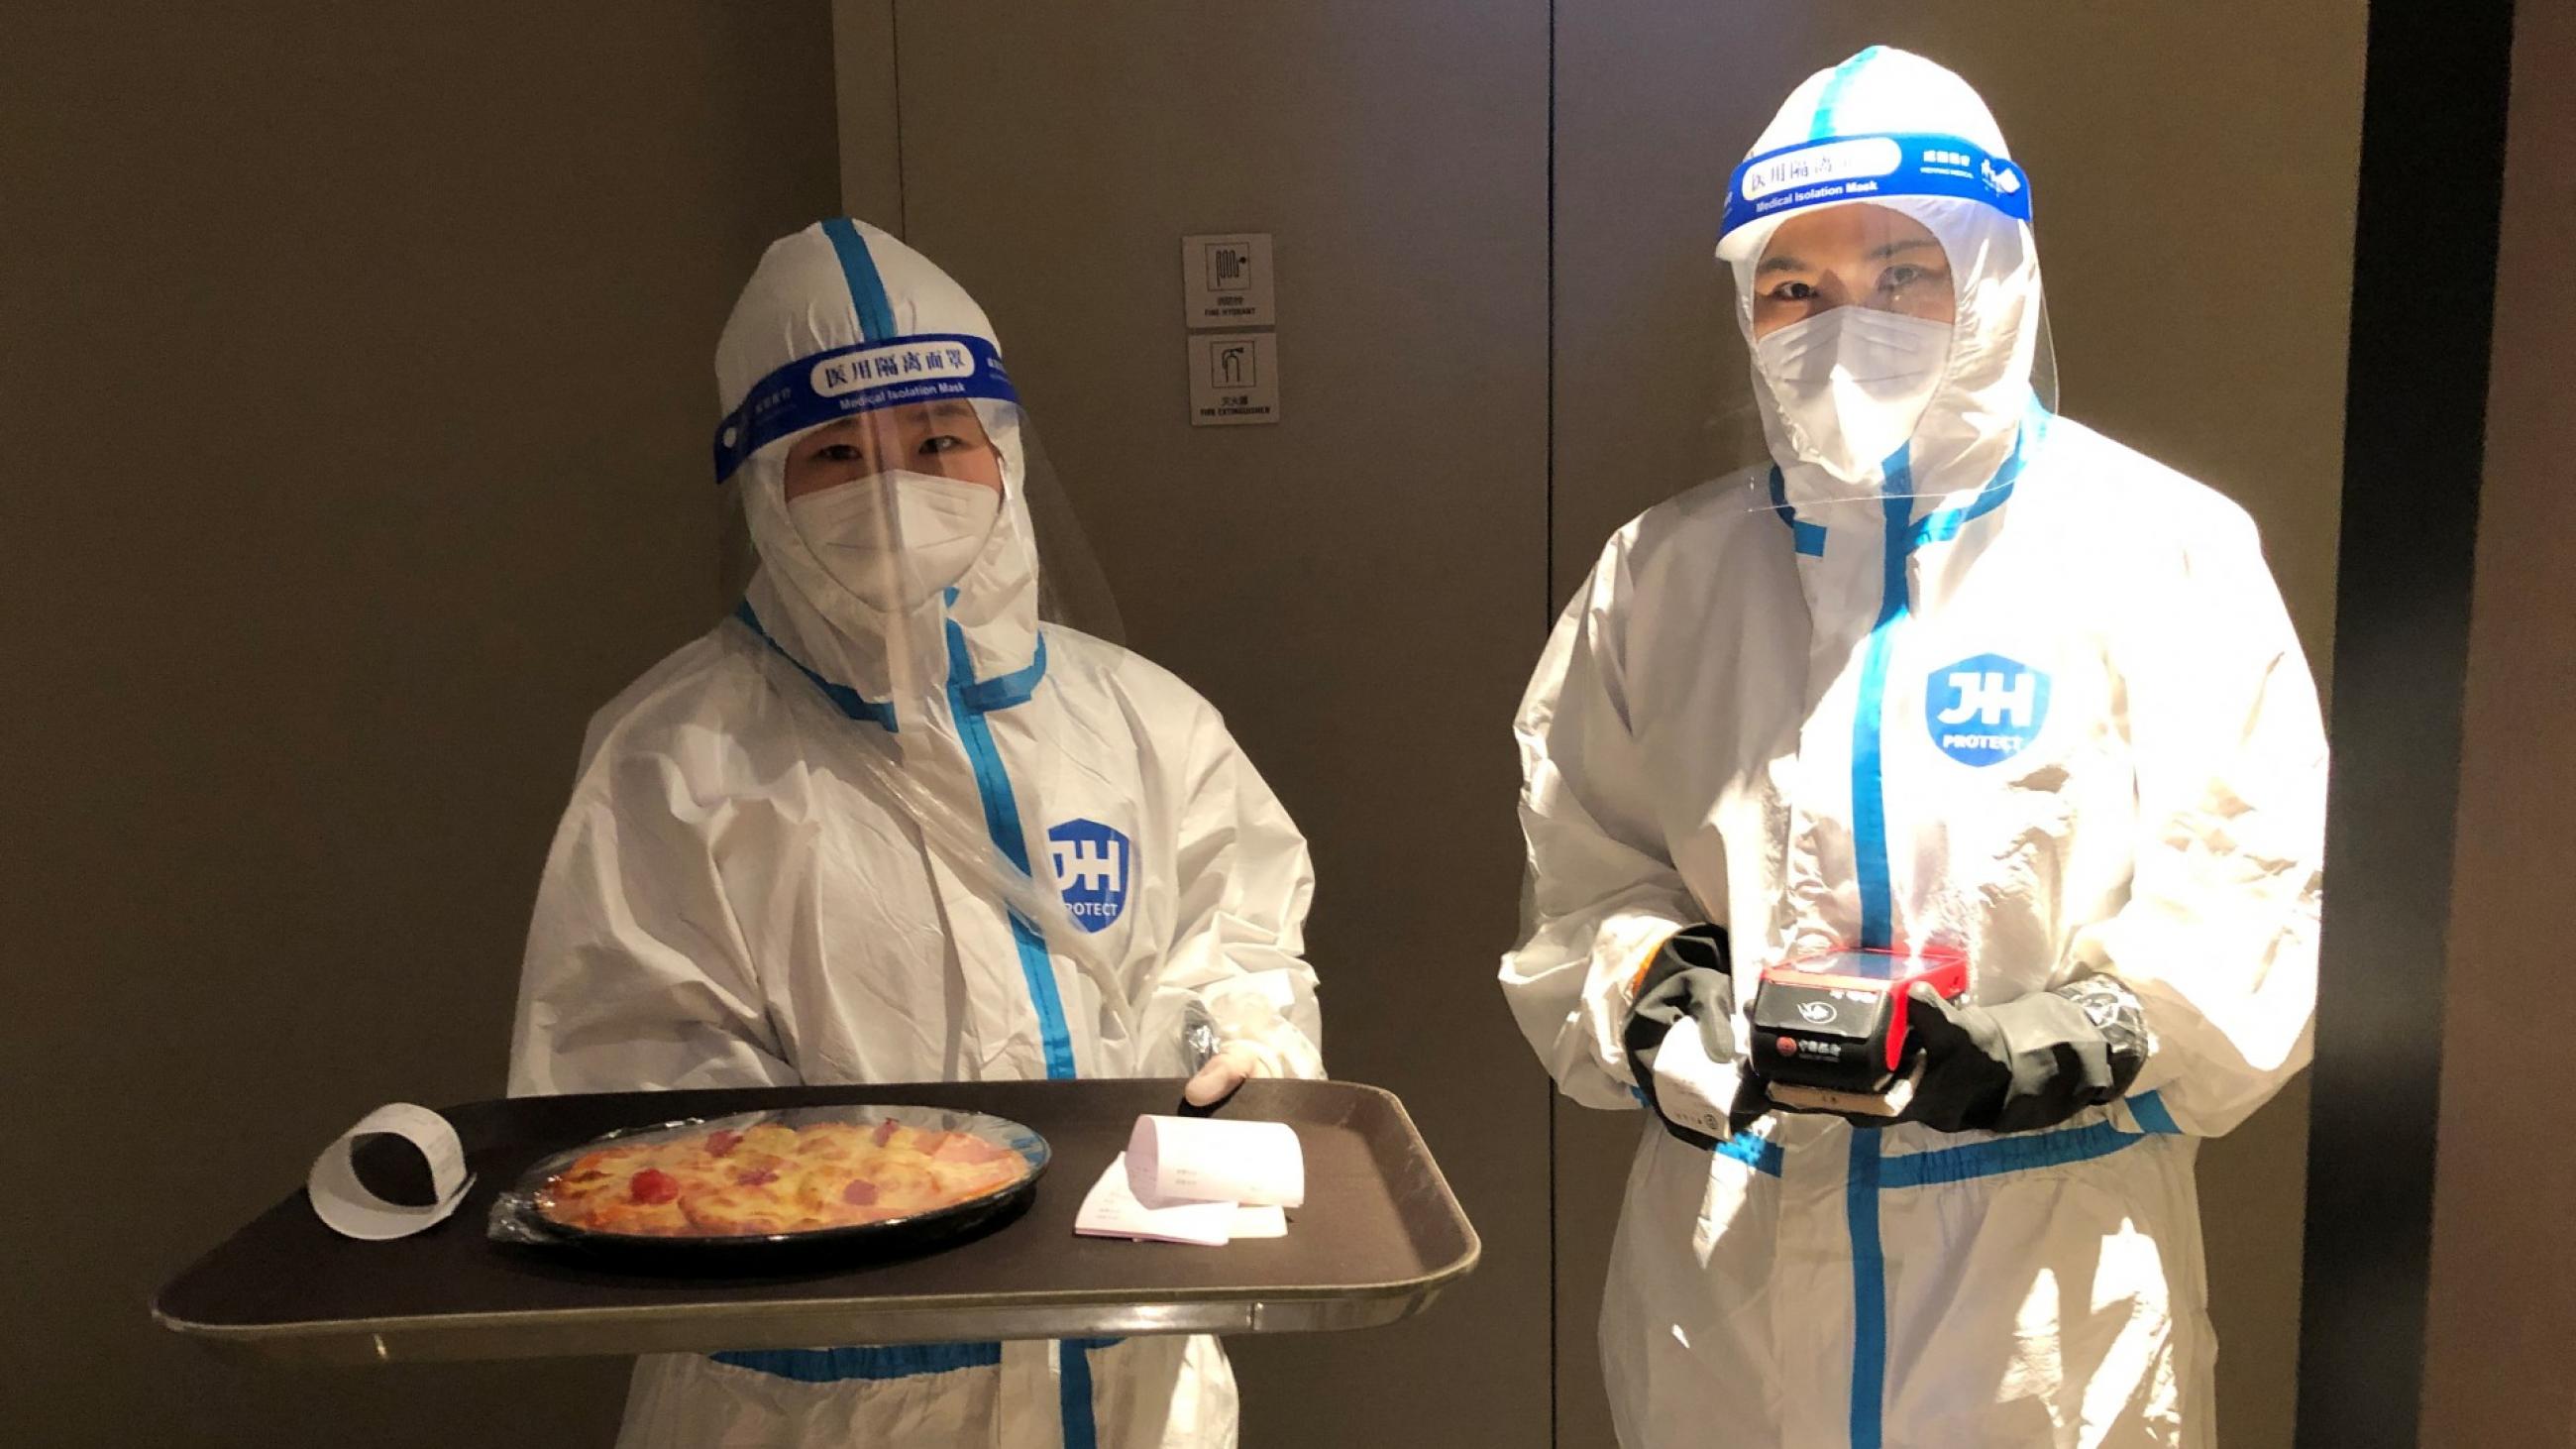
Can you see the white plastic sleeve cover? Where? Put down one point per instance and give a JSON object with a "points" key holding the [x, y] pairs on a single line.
{"points": [[637, 976], [1238, 939], [2219, 936], [1603, 891]]}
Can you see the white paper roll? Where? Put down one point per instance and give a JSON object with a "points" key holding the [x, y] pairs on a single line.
{"points": [[344, 1203], [1205, 1159]]}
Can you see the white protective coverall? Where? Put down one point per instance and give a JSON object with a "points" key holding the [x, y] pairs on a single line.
{"points": [[752, 888], [2023, 690]]}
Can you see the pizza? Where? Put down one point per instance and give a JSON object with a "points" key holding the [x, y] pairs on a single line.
{"points": [[773, 1178]]}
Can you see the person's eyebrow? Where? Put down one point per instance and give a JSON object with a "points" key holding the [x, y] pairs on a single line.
{"points": [[1899, 246], [1782, 263]]}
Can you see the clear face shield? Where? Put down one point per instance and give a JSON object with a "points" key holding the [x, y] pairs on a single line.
{"points": [[900, 467], [1071, 588], [881, 504], [1888, 291]]}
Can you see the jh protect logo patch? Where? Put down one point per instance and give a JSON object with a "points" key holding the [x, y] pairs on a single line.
{"points": [[1091, 870], [1985, 709]]}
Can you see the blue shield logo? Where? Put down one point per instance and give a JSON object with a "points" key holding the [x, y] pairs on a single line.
{"points": [[1091, 869], [1986, 709]]}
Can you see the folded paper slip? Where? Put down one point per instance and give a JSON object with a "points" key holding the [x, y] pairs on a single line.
{"points": [[1112, 1210]]}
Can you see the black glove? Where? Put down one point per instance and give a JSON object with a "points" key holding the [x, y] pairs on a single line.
{"points": [[2025, 1064], [1689, 980]]}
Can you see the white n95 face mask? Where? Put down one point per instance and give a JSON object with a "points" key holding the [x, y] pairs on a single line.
{"points": [[896, 538], [1851, 384]]}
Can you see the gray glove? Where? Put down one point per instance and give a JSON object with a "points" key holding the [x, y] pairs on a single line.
{"points": [[1688, 986], [2025, 1064]]}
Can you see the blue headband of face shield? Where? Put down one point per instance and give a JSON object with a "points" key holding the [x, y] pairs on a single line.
{"points": [[846, 380], [1859, 168]]}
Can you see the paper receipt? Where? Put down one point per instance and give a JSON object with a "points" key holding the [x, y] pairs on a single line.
{"points": [[1112, 1210], [345, 1204]]}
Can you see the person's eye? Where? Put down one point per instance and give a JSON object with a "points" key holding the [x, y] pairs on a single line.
{"points": [[840, 453], [941, 443], [1793, 292], [1898, 278]]}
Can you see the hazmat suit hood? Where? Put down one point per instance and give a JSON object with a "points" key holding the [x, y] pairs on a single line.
{"points": [[837, 319], [1892, 129]]}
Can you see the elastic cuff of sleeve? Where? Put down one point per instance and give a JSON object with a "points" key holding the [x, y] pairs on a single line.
{"points": [[1276, 1058], [1702, 945], [1646, 963], [2116, 1012]]}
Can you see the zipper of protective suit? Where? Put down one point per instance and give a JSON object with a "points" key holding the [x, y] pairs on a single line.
{"points": [[1002, 822], [1877, 932], [1864, 1172]]}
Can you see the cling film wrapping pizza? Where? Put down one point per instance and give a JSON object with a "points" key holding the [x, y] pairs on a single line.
{"points": [[800, 1174]]}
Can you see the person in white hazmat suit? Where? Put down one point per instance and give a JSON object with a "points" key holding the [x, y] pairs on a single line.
{"points": [[1953, 672], [800, 850]]}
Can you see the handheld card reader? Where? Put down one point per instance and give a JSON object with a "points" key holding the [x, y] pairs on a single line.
{"points": [[1829, 1029]]}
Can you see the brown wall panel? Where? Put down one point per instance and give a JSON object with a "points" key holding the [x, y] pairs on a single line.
{"points": [[357, 391], [2503, 1300]]}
